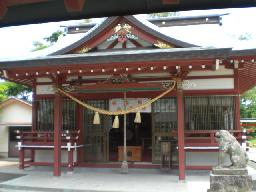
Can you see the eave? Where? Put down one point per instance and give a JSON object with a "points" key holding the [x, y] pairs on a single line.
{"points": [[126, 56]]}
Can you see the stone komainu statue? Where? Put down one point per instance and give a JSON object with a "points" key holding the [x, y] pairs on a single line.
{"points": [[229, 145]]}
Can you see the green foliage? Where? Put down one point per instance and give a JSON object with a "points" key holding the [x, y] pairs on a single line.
{"points": [[38, 46], [248, 104], [53, 38], [3, 96], [163, 14], [252, 140], [10, 89]]}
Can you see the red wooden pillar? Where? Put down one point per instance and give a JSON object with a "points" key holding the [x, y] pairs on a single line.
{"points": [[181, 143], [21, 158], [79, 124], [34, 120], [57, 135], [237, 99]]}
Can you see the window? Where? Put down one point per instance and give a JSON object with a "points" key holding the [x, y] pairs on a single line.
{"points": [[209, 112]]}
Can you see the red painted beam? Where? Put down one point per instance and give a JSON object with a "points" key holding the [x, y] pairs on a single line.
{"points": [[74, 5], [110, 86], [113, 44], [184, 64], [124, 45], [144, 36], [136, 43], [147, 94]]}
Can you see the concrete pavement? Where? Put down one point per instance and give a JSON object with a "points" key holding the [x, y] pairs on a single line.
{"points": [[105, 180]]}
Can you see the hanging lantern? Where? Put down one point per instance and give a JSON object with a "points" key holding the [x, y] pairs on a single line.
{"points": [[96, 119], [137, 118], [116, 122]]}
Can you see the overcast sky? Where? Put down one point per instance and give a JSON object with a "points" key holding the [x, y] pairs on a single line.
{"points": [[18, 41]]}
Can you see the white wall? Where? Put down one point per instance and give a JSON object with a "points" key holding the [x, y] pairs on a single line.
{"points": [[209, 84], [44, 89], [4, 135], [48, 156], [203, 159]]}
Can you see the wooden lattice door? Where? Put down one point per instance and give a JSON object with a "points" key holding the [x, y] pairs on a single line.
{"points": [[96, 136], [164, 122]]}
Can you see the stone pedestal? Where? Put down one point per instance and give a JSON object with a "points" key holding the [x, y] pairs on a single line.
{"points": [[230, 180]]}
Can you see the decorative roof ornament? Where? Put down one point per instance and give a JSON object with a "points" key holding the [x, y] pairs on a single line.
{"points": [[122, 33], [167, 84], [162, 45], [124, 26]]}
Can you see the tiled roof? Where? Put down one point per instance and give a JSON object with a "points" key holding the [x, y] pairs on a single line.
{"points": [[122, 56]]}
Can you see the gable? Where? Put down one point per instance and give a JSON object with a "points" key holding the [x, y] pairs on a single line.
{"points": [[128, 32], [15, 111], [13, 101]]}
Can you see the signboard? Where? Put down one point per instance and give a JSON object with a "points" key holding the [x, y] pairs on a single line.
{"points": [[118, 104]]}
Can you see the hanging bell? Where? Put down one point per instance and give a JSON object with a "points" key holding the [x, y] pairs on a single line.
{"points": [[137, 117], [116, 122], [96, 119]]}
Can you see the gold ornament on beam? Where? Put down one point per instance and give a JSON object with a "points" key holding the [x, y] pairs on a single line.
{"points": [[163, 45], [116, 122], [96, 119], [123, 26], [83, 50], [137, 117]]}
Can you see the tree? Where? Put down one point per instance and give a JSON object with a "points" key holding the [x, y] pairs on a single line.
{"points": [[53, 38], [3, 96], [248, 104], [10, 89], [50, 40]]}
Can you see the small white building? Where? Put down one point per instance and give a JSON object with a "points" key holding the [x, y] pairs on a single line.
{"points": [[15, 114]]}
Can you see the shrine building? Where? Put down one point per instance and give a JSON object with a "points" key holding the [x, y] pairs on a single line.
{"points": [[124, 94]]}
